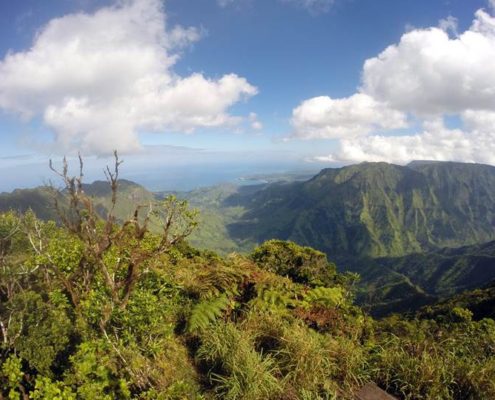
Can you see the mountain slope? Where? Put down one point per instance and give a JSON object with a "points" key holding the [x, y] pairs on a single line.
{"points": [[481, 303], [412, 232], [405, 283], [40, 199], [377, 209]]}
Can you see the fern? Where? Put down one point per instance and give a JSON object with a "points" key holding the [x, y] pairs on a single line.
{"points": [[213, 280], [269, 298], [328, 297], [206, 312]]}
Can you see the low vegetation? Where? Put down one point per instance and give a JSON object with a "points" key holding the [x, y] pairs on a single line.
{"points": [[93, 307]]}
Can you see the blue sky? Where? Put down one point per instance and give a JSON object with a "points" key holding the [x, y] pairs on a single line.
{"points": [[272, 84]]}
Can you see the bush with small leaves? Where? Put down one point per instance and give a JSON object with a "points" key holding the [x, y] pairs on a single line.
{"points": [[301, 264]]}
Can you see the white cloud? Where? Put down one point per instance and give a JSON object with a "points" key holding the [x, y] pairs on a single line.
{"points": [[257, 125], [358, 115], [449, 24], [428, 75], [98, 79], [479, 121], [436, 142], [255, 122]]}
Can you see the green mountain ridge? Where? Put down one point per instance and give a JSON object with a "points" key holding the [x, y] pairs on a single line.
{"points": [[41, 199], [401, 284], [370, 209], [129, 314], [412, 232], [377, 209], [480, 302]]}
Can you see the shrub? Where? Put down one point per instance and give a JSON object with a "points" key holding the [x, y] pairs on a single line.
{"points": [[301, 264]]}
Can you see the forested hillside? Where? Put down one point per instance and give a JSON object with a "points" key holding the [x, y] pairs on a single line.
{"points": [[387, 222], [412, 232], [480, 302], [40, 200], [104, 307], [377, 209], [398, 284], [370, 209]]}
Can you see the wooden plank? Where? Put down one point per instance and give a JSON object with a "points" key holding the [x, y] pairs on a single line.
{"points": [[372, 392]]}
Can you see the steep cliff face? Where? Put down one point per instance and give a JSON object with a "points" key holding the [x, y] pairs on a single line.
{"points": [[377, 209]]}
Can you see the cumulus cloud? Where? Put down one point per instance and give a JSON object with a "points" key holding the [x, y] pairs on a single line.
{"points": [[327, 118], [479, 120], [99, 79], [449, 24], [436, 142], [427, 75]]}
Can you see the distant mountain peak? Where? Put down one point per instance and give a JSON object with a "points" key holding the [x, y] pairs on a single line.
{"points": [[415, 163]]}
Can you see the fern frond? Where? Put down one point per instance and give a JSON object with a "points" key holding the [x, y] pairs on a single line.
{"points": [[206, 312], [269, 298], [328, 297], [213, 279]]}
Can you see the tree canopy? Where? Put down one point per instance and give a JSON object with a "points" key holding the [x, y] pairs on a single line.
{"points": [[93, 307]]}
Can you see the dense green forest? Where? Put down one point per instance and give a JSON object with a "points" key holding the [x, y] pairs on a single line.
{"points": [[367, 210], [399, 284], [95, 306], [374, 209], [413, 232]]}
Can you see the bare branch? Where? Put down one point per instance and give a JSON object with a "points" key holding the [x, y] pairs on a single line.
{"points": [[80, 179], [100, 235]]}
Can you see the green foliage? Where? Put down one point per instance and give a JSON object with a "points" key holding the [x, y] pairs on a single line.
{"points": [[421, 359], [109, 310], [301, 264], [45, 328], [12, 375], [242, 372], [10, 237], [307, 361], [206, 312], [479, 302], [208, 276], [328, 297], [45, 389], [459, 314], [200, 326], [273, 299], [95, 373], [177, 211]]}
